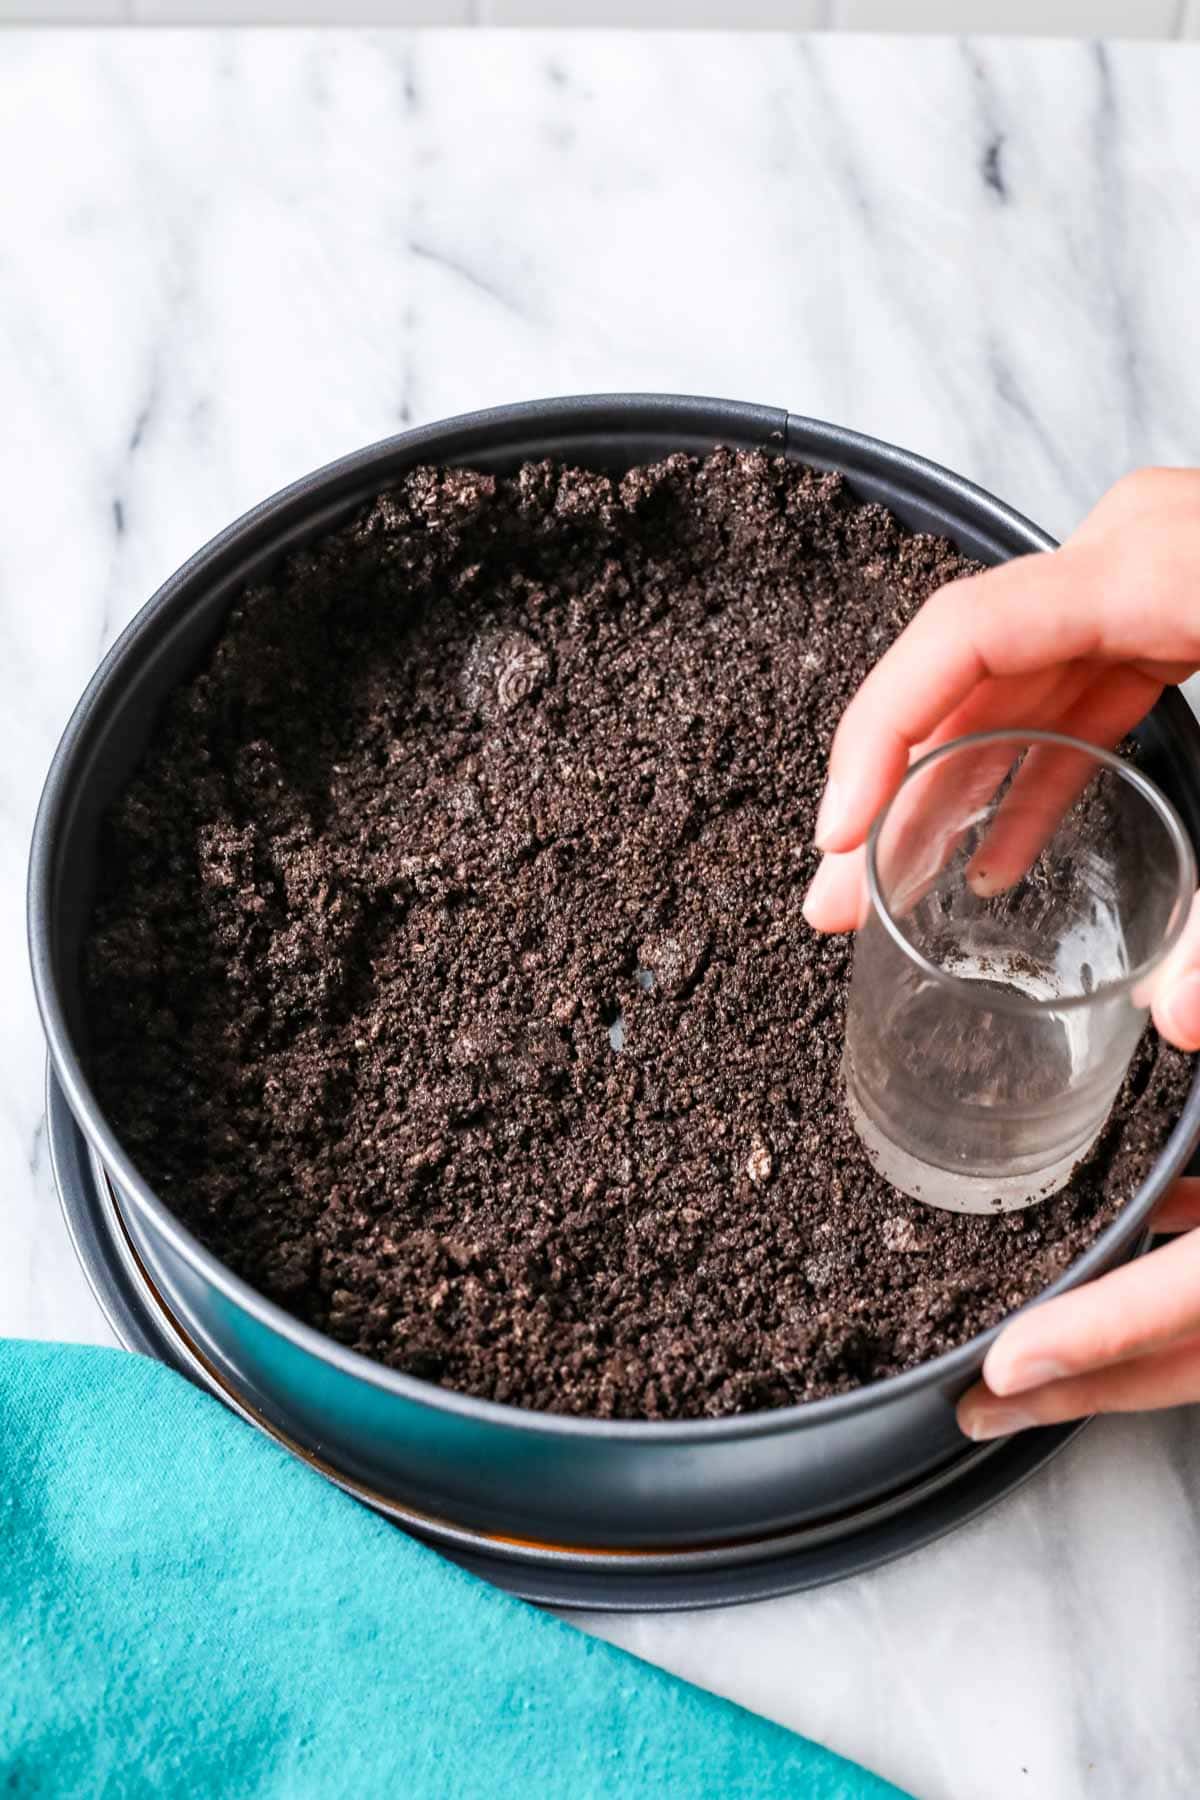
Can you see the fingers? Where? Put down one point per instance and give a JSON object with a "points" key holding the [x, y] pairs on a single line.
{"points": [[837, 899], [832, 903], [1150, 1304], [1017, 702], [1045, 788], [1125, 1343], [1032, 1366], [1168, 1377], [933, 816], [1158, 496], [1028, 615], [1052, 779], [1119, 591], [1175, 998], [1180, 1211]]}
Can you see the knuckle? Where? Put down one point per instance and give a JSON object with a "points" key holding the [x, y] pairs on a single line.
{"points": [[1153, 489], [1114, 1340], [953, 608], [1138, 485], [955, 596]]}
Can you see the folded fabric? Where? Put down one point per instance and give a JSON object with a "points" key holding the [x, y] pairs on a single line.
{"points": [[187, 1609]]}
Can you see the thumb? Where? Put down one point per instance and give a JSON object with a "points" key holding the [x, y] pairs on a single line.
{"points": [[1175, 1002]]}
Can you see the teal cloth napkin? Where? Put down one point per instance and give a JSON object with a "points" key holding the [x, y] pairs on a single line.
{"points": [[185, 1609]]}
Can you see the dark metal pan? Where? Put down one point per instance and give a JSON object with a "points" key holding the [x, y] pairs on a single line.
{"points": [[484, 1466]]}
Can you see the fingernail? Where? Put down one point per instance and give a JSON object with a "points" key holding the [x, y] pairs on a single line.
{"points": [[1180, 1012], [1019, 1376], [985, 884], [830, 815], [981, 1423]]}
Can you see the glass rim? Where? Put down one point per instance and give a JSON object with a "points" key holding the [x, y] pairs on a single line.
{"points": [[1026, 1003]]}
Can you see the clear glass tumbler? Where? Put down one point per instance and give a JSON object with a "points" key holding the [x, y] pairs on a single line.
{"points": [[1021, 890]]}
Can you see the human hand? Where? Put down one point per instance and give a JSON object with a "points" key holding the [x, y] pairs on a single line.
{"points": [[1125, 1343], [1080, 641]]}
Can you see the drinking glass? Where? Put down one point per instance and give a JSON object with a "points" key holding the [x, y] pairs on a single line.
{"points": [[1022, 888]]}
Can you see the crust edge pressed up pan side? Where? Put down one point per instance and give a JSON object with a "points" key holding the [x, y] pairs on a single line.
{"points": [[487, 1466]]}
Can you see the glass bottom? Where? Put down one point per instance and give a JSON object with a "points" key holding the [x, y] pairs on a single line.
{"points": [[957, 1191]]}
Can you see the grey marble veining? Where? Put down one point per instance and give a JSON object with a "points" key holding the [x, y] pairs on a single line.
{"points": [[226, 259]]}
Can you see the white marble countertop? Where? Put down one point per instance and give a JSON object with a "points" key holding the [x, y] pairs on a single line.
{"points": [[227, 258]]}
